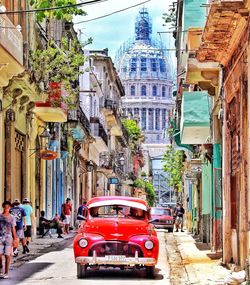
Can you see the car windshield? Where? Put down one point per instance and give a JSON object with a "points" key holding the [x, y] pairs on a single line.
{"points": [[160, 212], [117, 211]]}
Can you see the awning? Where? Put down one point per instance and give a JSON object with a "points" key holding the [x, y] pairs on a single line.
{"points": [[195, 117]]}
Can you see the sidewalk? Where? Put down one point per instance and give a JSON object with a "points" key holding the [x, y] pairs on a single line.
{"points": [[39, 246], [202, 266]]}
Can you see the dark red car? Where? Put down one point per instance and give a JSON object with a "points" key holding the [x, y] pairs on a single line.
{"points": [[116, 232], [162, 218]]}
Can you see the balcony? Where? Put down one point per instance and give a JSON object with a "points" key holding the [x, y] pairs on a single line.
{"points": [[99, 133], [11, 50], [53, 110], [78, 115], [226, 24]]}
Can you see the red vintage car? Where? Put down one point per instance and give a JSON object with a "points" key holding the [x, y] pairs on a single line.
{"points": [[162, 218], [116, 232]]}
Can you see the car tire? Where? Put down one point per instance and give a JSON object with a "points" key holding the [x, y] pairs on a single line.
{"points": [[150, 272], [170, 230], [81, 271]]}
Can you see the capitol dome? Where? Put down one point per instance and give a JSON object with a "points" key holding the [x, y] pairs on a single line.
{"points": [[143, 67]]}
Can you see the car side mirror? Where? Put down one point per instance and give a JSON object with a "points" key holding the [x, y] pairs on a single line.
{"points": [[81, 218]]}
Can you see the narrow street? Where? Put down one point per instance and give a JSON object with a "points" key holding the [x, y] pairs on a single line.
{"points": [[58, 267], [180, 262]]}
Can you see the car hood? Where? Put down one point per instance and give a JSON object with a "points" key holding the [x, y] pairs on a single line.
{"points": [[118, 228]]}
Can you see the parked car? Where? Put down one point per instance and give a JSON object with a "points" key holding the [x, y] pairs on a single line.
{"points": [[162, 218], [116, 232]]}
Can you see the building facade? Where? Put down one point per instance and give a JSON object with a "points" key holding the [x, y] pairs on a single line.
{"points": [[144, 70]]}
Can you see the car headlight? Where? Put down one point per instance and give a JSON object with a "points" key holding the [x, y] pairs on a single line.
{"points": [[149, 244], [83, 243]]}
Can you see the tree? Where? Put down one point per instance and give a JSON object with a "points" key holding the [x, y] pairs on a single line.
{"points": [[133, 130], [173, 166], [149, 189], [58, 14], [60, 65]]}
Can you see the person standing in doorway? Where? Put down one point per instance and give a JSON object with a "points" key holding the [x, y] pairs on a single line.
{"points": [[7, 237], [20, 216], [66, 211], [29, 219]]}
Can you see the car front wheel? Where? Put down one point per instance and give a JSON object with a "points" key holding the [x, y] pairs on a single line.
{"points": [[150, 271], [81, 271]]}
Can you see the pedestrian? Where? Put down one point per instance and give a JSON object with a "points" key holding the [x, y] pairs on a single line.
{"points": [[180, 211], [29, 219], [7, 237], [82, 210], [20, 216], [66, 214]]}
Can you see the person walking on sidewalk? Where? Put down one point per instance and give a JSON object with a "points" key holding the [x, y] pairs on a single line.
{"points": [[20, 216], [7, 237], [179, 213], [29, 219], [66, 213]]}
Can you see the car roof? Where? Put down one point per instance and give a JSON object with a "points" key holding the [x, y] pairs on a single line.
{"points": [[116, 200]]}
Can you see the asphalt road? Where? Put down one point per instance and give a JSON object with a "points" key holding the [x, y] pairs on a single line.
{"points": [[58, 268]]}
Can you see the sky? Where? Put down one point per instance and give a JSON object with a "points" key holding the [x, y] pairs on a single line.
{"points": [[112, 31]]}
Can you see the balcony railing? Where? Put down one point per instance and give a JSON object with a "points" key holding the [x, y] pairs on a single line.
{"points": [[79, 116], [11, 39], [98, 130]]}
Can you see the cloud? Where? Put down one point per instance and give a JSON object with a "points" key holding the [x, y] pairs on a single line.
{"points": [[112, 31]]}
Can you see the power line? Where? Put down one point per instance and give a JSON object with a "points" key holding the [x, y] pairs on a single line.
{"points": [[110, 14], [53, 8]]}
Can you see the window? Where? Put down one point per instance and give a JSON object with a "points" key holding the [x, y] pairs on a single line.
{"points": [[157, 119], [150, 119], [164, 119], [132, 90], [154, 90], [143, 90], [133, 64], [153, 64], [162, 65], [143, 64], [136, 111], [144, 119], [163, 91]]}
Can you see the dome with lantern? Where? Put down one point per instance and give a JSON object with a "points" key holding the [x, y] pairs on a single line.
{"points": [[143, 67]]}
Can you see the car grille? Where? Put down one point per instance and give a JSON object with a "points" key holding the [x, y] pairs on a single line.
{"points": [[115, 248], [168, 222]]}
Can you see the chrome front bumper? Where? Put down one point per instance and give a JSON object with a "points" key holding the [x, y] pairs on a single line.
{"points": [[131, 261]]}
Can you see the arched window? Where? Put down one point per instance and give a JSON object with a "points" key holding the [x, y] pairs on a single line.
{"points": [[154, 90], [163, 91], [132, 90], [143, 90]]}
